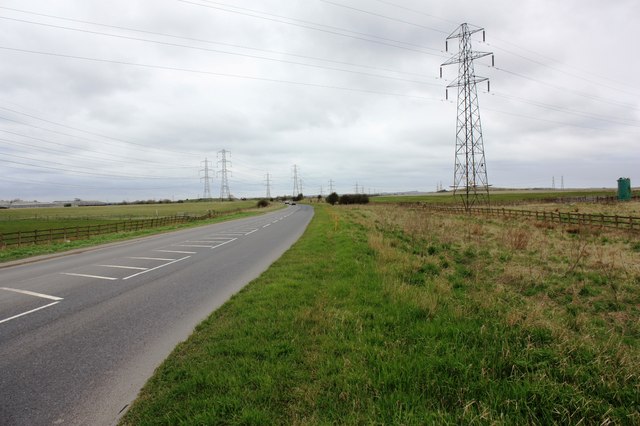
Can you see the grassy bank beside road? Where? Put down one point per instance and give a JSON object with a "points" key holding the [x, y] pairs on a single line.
{"points": [[387, 315]]}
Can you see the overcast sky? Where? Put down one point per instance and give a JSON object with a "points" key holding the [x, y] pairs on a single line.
{"points": [[124, 100]]}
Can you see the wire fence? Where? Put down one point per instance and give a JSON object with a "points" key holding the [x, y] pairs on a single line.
{"points": [[48, 236], [572, 218]]}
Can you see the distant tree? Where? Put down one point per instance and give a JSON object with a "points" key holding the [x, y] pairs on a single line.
{"points": [[262, 203], [354, 199], [332, 198], [298, 197]]}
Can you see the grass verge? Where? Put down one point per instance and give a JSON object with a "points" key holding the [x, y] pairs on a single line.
{"points": [[385, 315]]}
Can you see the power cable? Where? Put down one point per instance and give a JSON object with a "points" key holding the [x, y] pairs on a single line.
{"points": [[263, 58], [385, 17], [380, 40], [217, 74], [277, 52]]}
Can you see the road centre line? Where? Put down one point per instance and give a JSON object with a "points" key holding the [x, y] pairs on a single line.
{"points": [[150, 258], [124, 267], [89, 276], [32, 293], [177, 251], [28, 312], [157, 267]]}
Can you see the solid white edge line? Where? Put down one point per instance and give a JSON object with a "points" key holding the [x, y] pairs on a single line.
{"points": [[32, 293], [28, 312], [124, 267], [89, 276], [157, 267]]}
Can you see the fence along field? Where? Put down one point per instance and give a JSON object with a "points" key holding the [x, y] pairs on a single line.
{"points": [[20, 227], [571, 218]]}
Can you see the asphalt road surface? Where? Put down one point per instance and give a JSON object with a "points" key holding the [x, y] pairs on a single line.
{"points": [[80, 334]]}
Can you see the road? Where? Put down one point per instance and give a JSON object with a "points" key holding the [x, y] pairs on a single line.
{"points": [[80, 334]]}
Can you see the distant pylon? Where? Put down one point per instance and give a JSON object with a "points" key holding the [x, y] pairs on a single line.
{"points": [[330, 186], [207, 180], [225, 164], [268, 180], [296, 181], [470, 172]]}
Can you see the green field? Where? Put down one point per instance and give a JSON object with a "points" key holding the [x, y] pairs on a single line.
{"points": [[506, 196], [387, 315], [25, 220], [14, 220]]}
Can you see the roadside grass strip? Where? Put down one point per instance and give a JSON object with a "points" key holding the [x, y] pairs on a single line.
{"points": [[383, 315]]}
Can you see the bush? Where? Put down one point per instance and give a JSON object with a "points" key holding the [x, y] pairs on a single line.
{"points": [[354, 199], [332, 198], [262, 203]]}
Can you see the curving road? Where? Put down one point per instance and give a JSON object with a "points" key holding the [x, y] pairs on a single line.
{"points": [[80, 334]]}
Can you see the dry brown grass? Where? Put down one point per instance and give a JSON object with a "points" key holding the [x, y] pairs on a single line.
{"points": [[579, 283]]}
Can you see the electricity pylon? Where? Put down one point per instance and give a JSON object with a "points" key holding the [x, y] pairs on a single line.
{"points": [[224, 181], [207, 180], [470, 172], [268, 181], [296, 182]]}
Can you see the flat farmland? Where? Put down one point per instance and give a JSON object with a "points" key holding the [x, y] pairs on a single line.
{"points": [[29, 219], [506, 196]]}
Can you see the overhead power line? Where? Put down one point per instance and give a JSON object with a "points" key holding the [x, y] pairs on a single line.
{"points": [[216, 74], [78, 129], [308, 25], [199, 40], [385, 17], [218, 51]]}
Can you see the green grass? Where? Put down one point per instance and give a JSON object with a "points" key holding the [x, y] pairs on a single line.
{"points": [[13, 220], [383, 315], [26, 251], [496, 196]]}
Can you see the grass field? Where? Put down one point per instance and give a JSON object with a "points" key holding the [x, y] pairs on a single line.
{"points": [[387, 315], [97, 215], [505, 196], [13, 220]]}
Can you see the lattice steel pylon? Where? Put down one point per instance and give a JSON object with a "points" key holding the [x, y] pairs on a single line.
{"points": [[470, 173], [224, 171], [207, 180], [297, 184], [268, 183]]}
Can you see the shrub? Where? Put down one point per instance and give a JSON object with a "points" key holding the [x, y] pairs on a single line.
{"points": [[262, 203], [354, 199], [332, 198]]}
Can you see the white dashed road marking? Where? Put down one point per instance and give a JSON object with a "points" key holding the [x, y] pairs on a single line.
{"points": [[34, 294], [89, 276], [157, 267], [124, 267], [31, 293]]}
